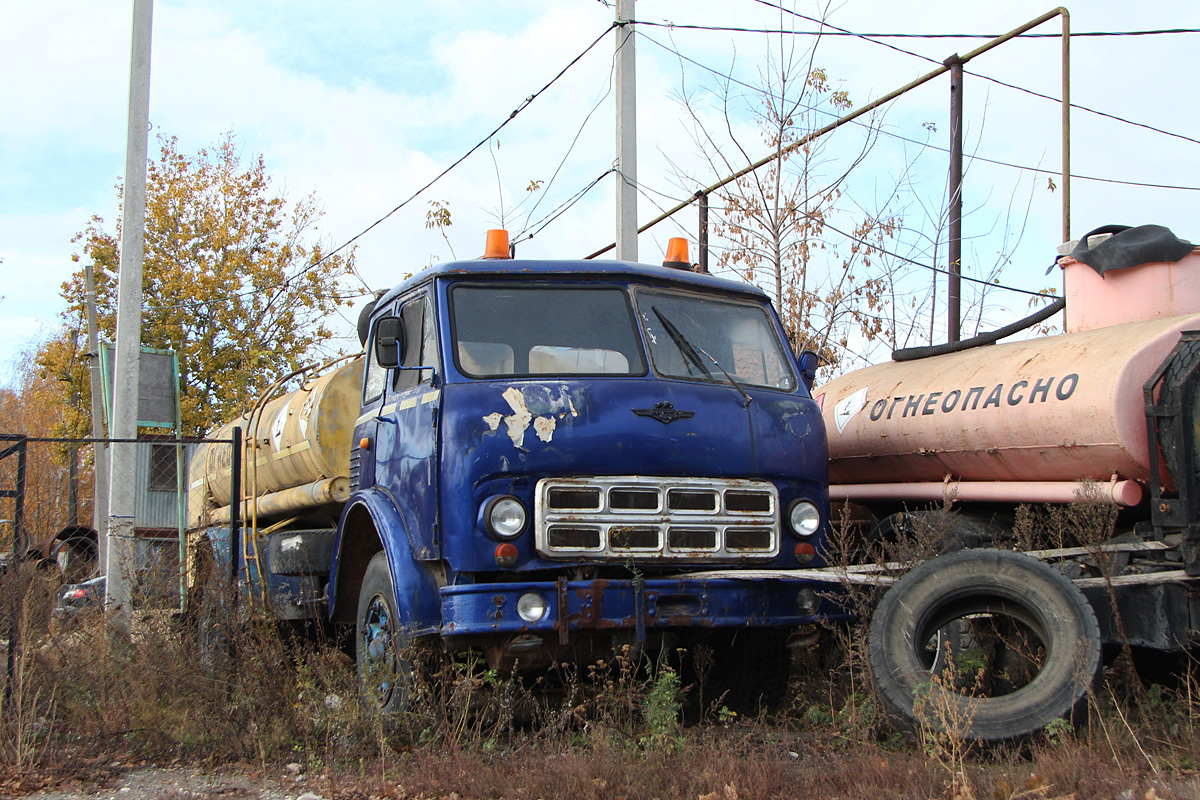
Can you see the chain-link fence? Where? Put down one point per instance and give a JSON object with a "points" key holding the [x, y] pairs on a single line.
{"points": [[53, 529]]}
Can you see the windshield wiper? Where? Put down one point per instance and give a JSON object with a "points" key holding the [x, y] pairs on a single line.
{"points": [[690, 351], [687, 348]]}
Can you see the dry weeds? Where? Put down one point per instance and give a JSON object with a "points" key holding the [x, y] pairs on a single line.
{"points": [[81, 701]]}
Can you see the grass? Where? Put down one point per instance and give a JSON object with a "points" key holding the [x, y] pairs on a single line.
{"points": [[81, 701]]}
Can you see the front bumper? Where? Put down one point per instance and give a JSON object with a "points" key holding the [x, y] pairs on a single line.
{"points": [[490, 609]]}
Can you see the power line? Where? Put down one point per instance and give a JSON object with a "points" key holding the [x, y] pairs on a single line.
{"points": [[563, 208], [868, 37], [570, 149], [793, 32], [929, 145], [523, 105]]}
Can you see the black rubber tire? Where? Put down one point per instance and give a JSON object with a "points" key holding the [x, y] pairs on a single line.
{"points": [[974, 588], [384, 676], [300, 552]]}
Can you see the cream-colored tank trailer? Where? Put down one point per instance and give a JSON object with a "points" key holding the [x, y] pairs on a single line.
{"points": [[302, 443], [1105, 412]]}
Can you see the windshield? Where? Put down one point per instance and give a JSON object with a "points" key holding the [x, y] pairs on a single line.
{"points": [[509, 331], [703, 338]]}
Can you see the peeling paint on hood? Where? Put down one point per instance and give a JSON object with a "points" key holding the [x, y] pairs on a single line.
{"points": [[518, 421]]}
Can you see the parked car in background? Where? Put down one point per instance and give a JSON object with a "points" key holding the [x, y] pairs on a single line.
{"points": [[75, 599]]}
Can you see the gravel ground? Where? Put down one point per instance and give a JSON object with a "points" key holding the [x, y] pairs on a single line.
{"points": [[182, 783]]}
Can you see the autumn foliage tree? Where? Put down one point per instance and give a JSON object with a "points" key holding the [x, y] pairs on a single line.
{"points": [[235, 280]]}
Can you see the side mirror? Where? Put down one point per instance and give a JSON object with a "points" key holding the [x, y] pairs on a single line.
{"points": [[389, 342], [808, 363]]}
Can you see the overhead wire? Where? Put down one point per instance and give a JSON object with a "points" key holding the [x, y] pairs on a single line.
{"points": [[1074, 34], [893, 135], [561, 209], [571, 148], [523, 105], [512, 115], [868, 38]]}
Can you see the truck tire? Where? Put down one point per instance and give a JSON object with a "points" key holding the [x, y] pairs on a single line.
{"points": [[300, 552], [384, 676], [1027, 642]]}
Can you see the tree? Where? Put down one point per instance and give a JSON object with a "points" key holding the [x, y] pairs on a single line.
{"points": [[234, 281], [787, 224]]}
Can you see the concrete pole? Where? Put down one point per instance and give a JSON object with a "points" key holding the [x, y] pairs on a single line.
{"points": [[100, 453], [627, 227], [122, 492]]}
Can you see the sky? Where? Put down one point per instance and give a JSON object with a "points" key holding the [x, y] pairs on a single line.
{"points": [[361, 103]]}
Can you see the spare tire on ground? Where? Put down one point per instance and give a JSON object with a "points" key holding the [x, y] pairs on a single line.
{"points": [[989, 645]]}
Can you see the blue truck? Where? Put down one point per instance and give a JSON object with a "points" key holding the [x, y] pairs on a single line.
{"points": [[542, 461]]}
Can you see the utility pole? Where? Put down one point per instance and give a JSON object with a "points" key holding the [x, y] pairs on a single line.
{"points": [[122, 497], [100, 453], [954, 279], [627, 227]]}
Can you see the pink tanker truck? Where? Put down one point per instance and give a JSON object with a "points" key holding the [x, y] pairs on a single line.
{"points": [[1103, 414]]}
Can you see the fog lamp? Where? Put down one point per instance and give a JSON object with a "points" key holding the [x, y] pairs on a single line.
{"points": [[531, 607], [807, 602]]}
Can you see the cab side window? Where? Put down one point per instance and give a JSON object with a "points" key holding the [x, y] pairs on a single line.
{"points": [[375, 378], [419, 332]]}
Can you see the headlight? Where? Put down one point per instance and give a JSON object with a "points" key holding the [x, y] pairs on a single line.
{"points": [[504, 517], [804, 518]]}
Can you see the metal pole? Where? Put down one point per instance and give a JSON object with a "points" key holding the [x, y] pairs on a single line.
{"points": [[703, 238], [235, 517], [122, 497], [1066, 146], [954, 281], [16, 563], [100, 453], [627, 229]]}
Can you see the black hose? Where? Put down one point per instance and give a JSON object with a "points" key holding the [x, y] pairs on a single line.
{"points": [[913, 353]]}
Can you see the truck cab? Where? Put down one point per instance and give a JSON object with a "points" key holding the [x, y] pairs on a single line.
{"points": [[548, 450]]}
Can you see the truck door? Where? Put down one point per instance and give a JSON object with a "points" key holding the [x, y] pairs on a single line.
{"points": [[406, 450]]}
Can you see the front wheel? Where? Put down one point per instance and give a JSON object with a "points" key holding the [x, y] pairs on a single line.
{"points": [[993, 644], [384, 676]]}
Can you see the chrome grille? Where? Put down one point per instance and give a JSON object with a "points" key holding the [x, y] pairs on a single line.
{"points": [[617, 518]]}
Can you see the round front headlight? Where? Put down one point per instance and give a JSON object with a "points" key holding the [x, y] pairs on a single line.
{"points": [[804, 518], [531, 607], [505, 517]]}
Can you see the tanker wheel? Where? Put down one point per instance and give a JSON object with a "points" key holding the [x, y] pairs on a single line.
{"points": [[986, 644], [384, 676]]}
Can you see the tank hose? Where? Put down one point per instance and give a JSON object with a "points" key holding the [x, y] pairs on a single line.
{"points": [[913, 353]]}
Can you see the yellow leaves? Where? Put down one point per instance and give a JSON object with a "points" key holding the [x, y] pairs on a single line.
{"points": [[438, 215], [235, 281]]}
